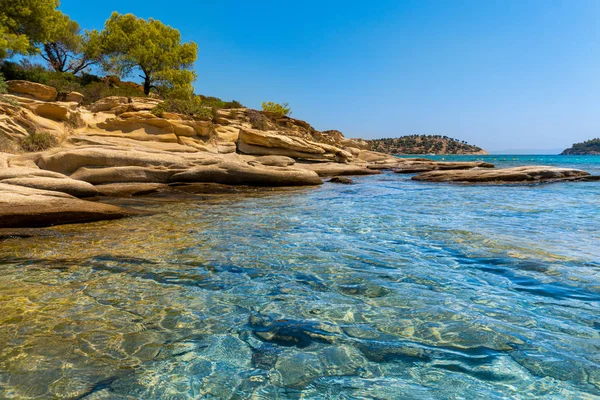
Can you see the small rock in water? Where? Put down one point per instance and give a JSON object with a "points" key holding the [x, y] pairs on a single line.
{"points": [[287, 332], [341, 179]]}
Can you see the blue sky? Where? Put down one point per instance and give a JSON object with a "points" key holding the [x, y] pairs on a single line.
{"points": [[510, 74]]}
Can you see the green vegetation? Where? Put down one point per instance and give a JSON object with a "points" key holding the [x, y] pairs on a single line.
{"points": [[68, 50], [192, 107], [38, 141], [127, 46], [3, 86], [423, 144], [276, 108], [154, 49], [589, 147], [24, 24], [258, 120]]}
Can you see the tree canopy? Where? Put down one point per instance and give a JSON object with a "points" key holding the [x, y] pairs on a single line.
{"points": [[152, 48], [24, 24], [67, 49]]}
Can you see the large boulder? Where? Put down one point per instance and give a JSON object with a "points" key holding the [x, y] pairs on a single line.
{"points": [[74, 97], [26, 207], [504, 175], [63, 185], [237, 173], [67, 161], [46, 180], [101, 176], [32, 90]]}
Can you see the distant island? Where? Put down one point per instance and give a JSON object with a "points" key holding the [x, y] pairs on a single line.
{"points": [[424, 144], [589, 147]]}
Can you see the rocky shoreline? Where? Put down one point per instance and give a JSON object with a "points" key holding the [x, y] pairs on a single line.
{"points": [[116, 147]]}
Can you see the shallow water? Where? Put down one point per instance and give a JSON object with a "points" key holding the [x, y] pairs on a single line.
{"points": [[388, 289]]}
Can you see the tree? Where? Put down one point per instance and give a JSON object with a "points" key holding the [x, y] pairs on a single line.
{"points": [[23, 24], [152, 48], [68, 50], [276, 108]]}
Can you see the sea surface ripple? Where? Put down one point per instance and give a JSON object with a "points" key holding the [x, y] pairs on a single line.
{"points": [[386, 289]]}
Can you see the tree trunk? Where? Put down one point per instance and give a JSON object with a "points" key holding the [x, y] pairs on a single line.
{"points": [[147, 85]]}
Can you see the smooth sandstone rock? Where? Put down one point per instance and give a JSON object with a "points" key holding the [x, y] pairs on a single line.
{"points": [[333, 169], [101, 176], [67, 161], [26, 207], [424, 166], [237, 173], [75, 97], [131, 189], [274, 140], [66, 185], [273, 161], [108, 103], [504, 175], [54, 111], [33, 90]]}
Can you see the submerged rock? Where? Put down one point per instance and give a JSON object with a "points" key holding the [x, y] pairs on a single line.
{"points": [[341, 179], [505, 175], [288, 332]]}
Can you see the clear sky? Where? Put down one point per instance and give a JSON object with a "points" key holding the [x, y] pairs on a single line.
{"points": [[501, 74]]}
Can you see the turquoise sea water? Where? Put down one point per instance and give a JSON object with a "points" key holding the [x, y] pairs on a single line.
{"points": [[387, 289]]}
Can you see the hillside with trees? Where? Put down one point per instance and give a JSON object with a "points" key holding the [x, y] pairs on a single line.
{"points": [[424, 144], [101, 63], [589, 147]]}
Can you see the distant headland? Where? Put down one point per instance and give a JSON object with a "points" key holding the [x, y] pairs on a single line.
{"points": [[424, 144], [589, 147]]}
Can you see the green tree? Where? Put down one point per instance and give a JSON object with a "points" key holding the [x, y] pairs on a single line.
{"points": [[68, 50], [23, 24], [276, 108], [152, 48]]}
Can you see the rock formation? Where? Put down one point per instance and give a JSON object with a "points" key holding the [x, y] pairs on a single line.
{"points": [[118, 147], [504, 175]]}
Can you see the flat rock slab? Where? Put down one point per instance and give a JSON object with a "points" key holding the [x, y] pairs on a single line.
{"points": [[131, 189], [336, 169], [407, 167], [24, 207], [505, 175], [235, 173]]}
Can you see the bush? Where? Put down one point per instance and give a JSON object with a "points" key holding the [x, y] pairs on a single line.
{"points": [[276, 108], [38, 141], [3, 86], [258, 121], [217, 103], [193, 107], [99, 90]]}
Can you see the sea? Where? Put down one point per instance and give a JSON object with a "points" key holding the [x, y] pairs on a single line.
{"points": [[385, 289]]}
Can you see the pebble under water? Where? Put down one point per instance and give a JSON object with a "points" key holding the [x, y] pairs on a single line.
{"points": [[386, 289]]}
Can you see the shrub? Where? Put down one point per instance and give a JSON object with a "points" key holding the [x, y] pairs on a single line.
{"points": [[38, 141], [276, 108], [258, 121], [3, 86], [194, 107]]}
